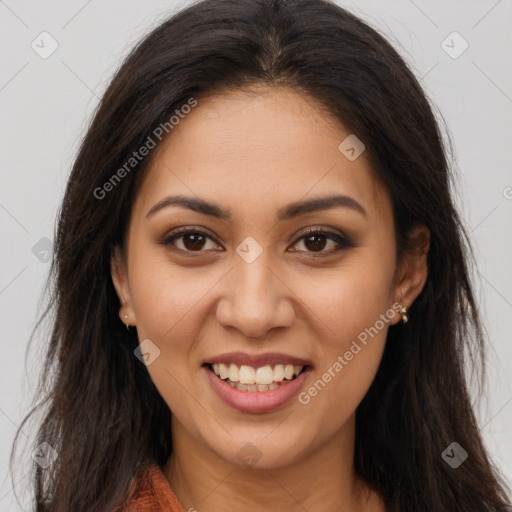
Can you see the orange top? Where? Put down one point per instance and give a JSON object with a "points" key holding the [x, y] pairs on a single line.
{"points": [[152, 493]]}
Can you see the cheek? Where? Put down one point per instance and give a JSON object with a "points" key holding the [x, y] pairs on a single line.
{"points": [[170, 311], [165, 296], [350, 298], [333, 393], [354, 304], [348, 367]]}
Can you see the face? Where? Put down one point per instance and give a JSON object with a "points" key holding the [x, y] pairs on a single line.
{"points": [[248, 291]]}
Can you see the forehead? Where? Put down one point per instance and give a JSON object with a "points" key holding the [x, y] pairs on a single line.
{"points": [[259, 149]]}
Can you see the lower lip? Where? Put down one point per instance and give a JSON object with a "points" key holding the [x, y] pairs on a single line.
{"points": [[257, 401]]}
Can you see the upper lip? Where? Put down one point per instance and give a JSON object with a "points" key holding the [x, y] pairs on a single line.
{"points": [[258, 360]]}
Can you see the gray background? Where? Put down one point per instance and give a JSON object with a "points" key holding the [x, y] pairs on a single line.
{"points": [[45, 105]]}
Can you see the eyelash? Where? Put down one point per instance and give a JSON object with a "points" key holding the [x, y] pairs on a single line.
{"points": [[343, 241]]}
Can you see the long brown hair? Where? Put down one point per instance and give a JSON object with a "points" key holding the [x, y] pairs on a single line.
{"points": [[102, 413]]}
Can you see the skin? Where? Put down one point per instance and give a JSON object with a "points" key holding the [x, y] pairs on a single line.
{"points": [[254, 154]]}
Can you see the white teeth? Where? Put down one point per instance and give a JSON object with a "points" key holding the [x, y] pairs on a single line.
{"points": [[288, 371], [278, 373], [223, 371], [264, 375], [233, 372], [252, 379], [251, 388], [247, 375]]}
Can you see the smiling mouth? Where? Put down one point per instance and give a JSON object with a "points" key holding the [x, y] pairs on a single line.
{"points": [[256, 379]]}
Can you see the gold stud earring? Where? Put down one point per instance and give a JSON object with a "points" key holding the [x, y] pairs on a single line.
{"points": [[403, 311]]}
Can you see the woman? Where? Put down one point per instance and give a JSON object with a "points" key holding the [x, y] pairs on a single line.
{"points": [[262, 297]]}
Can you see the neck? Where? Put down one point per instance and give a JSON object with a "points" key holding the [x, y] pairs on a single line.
{"points": [[323, 481]]}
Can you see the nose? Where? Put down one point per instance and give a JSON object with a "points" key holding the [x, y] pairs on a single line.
{"points": [[255, 299]]}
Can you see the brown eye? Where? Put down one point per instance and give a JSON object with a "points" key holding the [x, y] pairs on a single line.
{"points": [[194, 241], [316, 240], [189, 240]]}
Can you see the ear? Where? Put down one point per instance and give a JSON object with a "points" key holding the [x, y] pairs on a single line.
{"points": [[120, 279], [412, 272]]}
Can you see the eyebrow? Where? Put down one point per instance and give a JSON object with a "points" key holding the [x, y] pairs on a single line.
{"points": [[288, 212]]}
